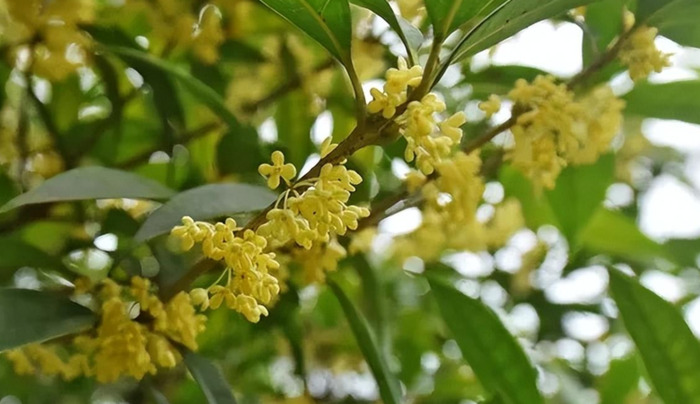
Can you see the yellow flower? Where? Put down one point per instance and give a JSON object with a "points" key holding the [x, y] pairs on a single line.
{"points": [[277, 170], [640, 55], [491, 106], [122, 345]]}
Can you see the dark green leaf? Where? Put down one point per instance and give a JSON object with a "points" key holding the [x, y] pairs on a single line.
{"points": [[205, 94], [238, 152], [165, 97], [210, 379], [326, 21], [670, 351], [203, 203], [15, 253], [448, 15], [685, 252], [676, 100], [613, 233], [536, 207], [648, 8], [91, 183], [603, 23], [678, 21], [509, 19], [493, 353], [409, 35], [389, 388], [28, 316], [579, 191]]}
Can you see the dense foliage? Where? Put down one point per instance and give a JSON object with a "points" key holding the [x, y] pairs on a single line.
{"points": [[337, 201]]}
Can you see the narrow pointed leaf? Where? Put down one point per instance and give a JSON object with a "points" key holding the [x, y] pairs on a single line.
{"points": [[326, 21], [28, 316], [204, 203], [383, 10], [613, 233], [669, 350], [448, 15], [678, 21], [204, 93], [91, 183], [509, 19], [579, 192], [389, 389], [494, 354], [209, 378], [676, 100]]}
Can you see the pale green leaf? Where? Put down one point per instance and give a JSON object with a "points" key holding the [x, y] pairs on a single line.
{"points": [[496, 357], [676, 100], [670, 351]]}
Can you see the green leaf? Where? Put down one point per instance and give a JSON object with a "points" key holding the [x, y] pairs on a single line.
{"points": [[579, 191], [675, 100], [508, 19], [389, 388], [409, 35], [670, 351], [204, 203], [91, 183], [535, 207], [294, 116], [619, 381], [210, 379], [647, 9], [15, 253], [448, 15], [685, 252], [613, 233], [238, 152], [28, 316], [603, 23], [326, 21], [165, 97], [678, 21], [200, 90], [493, 353]]}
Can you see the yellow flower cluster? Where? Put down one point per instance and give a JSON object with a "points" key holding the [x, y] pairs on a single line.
{"points": [[429, 141], [449, 217], [49, 31], [319, 212], [319, 260], [310, 214], [640, 55], [556, 129], [137, 334], [249, 284], [395, 89]]}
